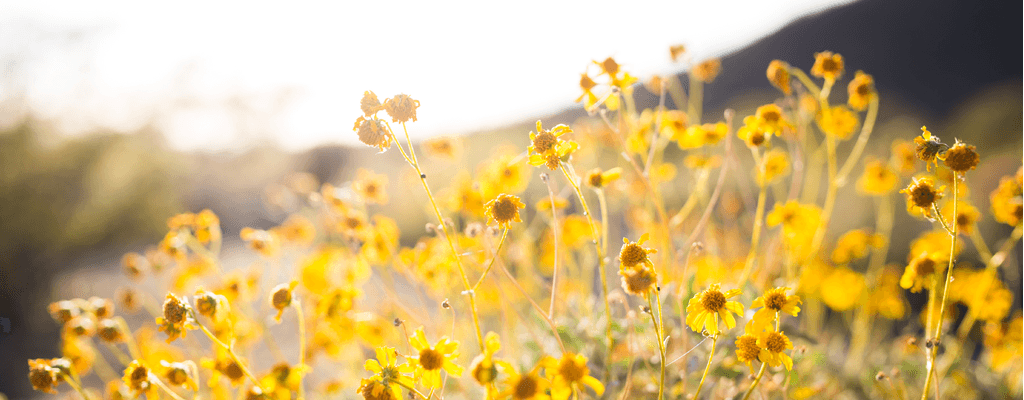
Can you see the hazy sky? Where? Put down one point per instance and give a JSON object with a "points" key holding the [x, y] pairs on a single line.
{"points": [[223, 74]]}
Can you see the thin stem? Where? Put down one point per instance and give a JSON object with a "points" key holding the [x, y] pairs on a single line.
{"points": [[696, 100], [412, 389], [661, 342], [808, 83], [718, 186], [555, 232], [714, 341], [760, 372], [945, 292], [493, 257], [302, 347], [411, 159], [758, 217], [830, 196], [155, 379], [862, 141], [551, 324], [604, 280], [596, 238]]}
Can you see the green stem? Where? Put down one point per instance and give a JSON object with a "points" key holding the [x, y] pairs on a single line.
{"points": [[945, 292], [757, 380], [714, 341]]}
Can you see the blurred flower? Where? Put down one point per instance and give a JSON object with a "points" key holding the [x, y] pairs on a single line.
{"points": [[861, 91], [838, 122], [878, 178], [922, 194], [827, 65], [778, 75], [569, 375], [401, 108], [503, 209], [707, 70], [929, 148], [370, 186]]}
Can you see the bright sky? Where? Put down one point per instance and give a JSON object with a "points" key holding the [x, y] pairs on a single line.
{"points": [[223, 74]]}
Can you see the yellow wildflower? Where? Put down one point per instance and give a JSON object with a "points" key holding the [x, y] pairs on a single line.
{"points": [[861, 91], [267, 243], [527, 386], [776, 165], [177, 317], [842, 288], [598, 179], [281, 297], [961, 157], [676, 51], [370, 186], [921, 195], [634, 254], [929, 148], [707, 70], [180, 374], [837, 121], [921, 271], [401, 108], [778, 75], [747, 349], [443, 147], [966, 216], [136, 377], [42, 376], [904, 156], [484, 368], [432, 359], [1006, 200], [878, 179], [388, 375], [369, 104], [503, 210], [707, 308], [853, 245], [570, 374], [771, 303], [827, 65], [773, 346]]}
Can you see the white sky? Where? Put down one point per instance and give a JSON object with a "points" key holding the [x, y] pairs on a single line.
{"points": [[223, 74]]}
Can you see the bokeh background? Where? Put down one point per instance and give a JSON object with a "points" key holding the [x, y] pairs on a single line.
{"points": [[114, 118]]}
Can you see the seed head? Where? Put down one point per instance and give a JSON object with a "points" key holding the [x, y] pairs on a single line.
{"points": [[401, 108], [961, 157]]}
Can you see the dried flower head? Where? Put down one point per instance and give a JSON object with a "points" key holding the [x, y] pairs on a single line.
{"points": [[961, 157], [401, 108], [177, 317], [281, 297], [42, 376], [373, 132], [369, 104], [922, 194], [110, 331], [929, 148], [634, 254], [778, 75], [503, 209], [136, 377]]}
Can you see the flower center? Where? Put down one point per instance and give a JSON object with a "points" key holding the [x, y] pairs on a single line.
{"points": [[632, 254], [431, 359], [746, 348], [775, 301], [570, 370], [925, 266], [923, 195], [712, 300], [776, 343], [504, 210], [525, 388], [544, 142]]}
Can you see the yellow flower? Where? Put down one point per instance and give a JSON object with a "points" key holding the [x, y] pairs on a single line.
{"points": [[700, 135], [634, 254], [1006, 200], [42, 376], [370, 186], [389, 376], [707, 70], [676, 51], [842, 288], [443, 147], [570, 373], [401, 108], [838, 122], [707, 308], [886, 298], [773, 346], [587, 85], [296, 230], [1003, 341], [281, 297], [827, 65], [638, 280], [853, 245], [778, 75], [878, 179], [921, 270], [504, 173], [776, 165], [752, 133], [267, 243], [598, 179], [503, 209], [548, 149], [966, 216], [861, 91], [929, 148], [136, 377], [484, 368], [747, 349], [528, 386], [771, 303], [770, 117], [180, 374], [921, 195], [904, 156], [432, 359]]}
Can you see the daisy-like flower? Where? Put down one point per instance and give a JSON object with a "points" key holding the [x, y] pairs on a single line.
{"points": [[371, 186], [281, 297], [484, 367], [861, 91], [879, 178], [773, 302], [707, 308], [503, 209], [527, 386], [920, 270], [570, 372], [827, 65], [587, 84], [598, 178], [634, 254], [773, 345], [548, 149], [747, 349], [838, 122], [638, 280], [180, 373], [770, 118], [432, 359], [136, 377], [388, 375]]}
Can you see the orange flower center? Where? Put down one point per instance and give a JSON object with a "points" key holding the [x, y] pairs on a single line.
{"points": [[570, 370], [431, 359], [712, 300], [776, 343], [775, 301], [525, 387]]}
